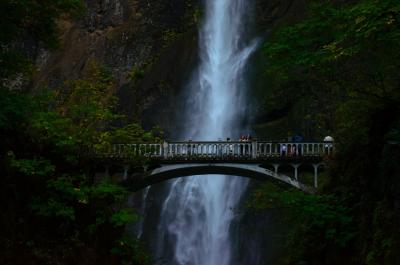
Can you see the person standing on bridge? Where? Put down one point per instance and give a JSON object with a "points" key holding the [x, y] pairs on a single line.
{"points": [[283, 149], [299, 150], [328, 145], [230, 148]]}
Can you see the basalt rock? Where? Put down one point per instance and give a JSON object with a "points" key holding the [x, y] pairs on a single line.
{"points": [[157, 38]]}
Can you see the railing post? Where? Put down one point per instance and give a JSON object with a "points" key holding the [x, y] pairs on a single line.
{"points": [[165, 149], [254, 149]]}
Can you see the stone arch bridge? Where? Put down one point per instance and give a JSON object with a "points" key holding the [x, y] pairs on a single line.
{"points": [[253, 159]]}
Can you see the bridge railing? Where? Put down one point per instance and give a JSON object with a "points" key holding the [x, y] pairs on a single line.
{"points": [[225, 150]]}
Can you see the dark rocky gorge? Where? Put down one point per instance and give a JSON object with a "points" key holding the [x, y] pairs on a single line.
{"points": [[151, 49], [80, 77]]}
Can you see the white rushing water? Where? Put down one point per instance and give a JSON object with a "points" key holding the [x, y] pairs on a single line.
{"points": [[198, 210]]}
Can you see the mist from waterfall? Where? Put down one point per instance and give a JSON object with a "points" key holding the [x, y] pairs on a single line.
{"points": [[197, 213]]}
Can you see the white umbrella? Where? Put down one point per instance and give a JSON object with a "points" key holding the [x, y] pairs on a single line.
{"points": [[328, 139]]}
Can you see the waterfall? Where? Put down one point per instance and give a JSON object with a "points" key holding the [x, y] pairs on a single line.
{"points": [[217, 103], [196, 215]]}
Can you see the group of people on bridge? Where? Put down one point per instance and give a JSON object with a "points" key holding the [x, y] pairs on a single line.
{"points": [[247, 146], [245, 138]]}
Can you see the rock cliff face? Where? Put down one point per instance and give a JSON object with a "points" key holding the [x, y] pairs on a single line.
{"points": [[146, 44], [150, 47]]}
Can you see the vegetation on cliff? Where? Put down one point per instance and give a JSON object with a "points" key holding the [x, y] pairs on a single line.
{"points": [[24, 21], [343, 60], [53, 209]]}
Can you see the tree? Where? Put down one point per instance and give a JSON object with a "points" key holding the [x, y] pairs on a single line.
{"points": [[344, 59], [47, 182]]}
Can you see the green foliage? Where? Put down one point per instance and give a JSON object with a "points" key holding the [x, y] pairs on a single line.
{"points": [[65, 195], [334, 33], [131, 252], [137, 74], [385, 245], [344, 61], [31, 167], [21, 20], [48, 139], [123, 217], [105, 190], [169, 36], [53, 210], [197, 15], [14, 109], [134, 133], [342, 52], [50, 128], [89, 101], [306, 211], [65, 187]]}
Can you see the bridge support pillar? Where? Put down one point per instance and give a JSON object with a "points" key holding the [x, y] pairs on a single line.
{"points": [[126, 169], [165, 150], [316, 166], [276, 168], [296, 171]]}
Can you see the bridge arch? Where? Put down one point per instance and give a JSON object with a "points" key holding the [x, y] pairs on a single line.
{"points": [[254, 171]]}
